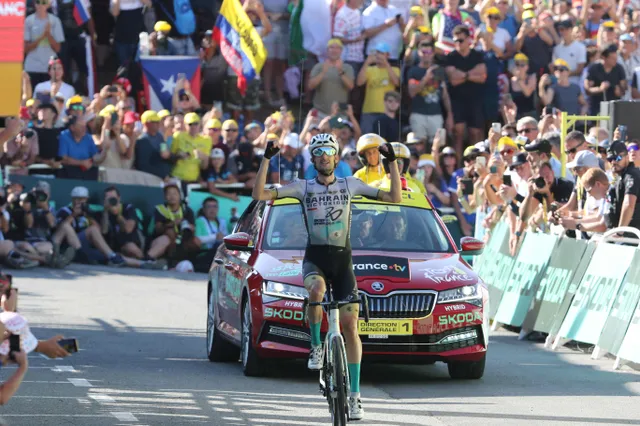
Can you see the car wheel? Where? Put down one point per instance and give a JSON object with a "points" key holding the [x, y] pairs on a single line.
{"points": [[218, 348], [252, 364], [467, 370]]}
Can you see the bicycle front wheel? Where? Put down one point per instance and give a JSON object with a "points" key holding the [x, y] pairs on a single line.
{"points": [[339, 391]]}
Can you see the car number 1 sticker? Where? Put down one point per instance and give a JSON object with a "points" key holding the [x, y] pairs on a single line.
{"points": [[388, 327]]}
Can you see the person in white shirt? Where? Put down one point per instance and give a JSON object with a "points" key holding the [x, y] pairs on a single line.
{"points": [[348, 29], [43, 37], [54, 86], [573, 52], [383, 23]]}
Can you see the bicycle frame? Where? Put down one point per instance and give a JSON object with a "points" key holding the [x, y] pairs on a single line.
{"points": [[333, 334]]}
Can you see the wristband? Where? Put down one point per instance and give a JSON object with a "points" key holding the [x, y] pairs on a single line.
{"points": [[519, 198]]}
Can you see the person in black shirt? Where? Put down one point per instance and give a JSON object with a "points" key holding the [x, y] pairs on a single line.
{"points": [[625, 194], [33, 223], [47, 136], [606, 79], [467, 74], [387, 122], [119, 225]]}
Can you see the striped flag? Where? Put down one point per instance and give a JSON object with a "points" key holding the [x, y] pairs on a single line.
{"points": [[80, 12]]}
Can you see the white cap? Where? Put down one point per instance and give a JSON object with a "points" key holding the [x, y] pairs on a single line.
{"points": [[217, 153], [292, 140], [584, 159], [185, 266], [79, 192]]}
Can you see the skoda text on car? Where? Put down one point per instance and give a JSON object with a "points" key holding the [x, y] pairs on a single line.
{"points": [[426, 303]]}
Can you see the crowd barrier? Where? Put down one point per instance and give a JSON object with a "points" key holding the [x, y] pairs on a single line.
{"points": [[570, 289]]}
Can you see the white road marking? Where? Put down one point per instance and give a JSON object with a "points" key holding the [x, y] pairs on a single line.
{"points": [[80, 382], [101, 398], [124, 416], [84, 401], [64, 368]]}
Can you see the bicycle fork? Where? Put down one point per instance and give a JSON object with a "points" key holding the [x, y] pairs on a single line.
{"points": [[327, 371]]}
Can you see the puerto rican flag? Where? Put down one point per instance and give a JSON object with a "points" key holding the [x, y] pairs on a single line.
{"points": [[160, 76], [80, 12]]}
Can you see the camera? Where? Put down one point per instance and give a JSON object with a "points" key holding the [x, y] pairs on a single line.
{"points": [[40, 196], [540, 182], [112, 201], [185, 230], [29, 133]]}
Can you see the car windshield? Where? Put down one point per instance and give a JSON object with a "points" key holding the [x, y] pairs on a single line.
{"points": [[376, 227]]}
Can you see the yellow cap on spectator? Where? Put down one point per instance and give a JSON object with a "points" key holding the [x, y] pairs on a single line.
{"points": [[416, 11], [424, 30], [521, 57], [528, 14], [560, 63], [426, 160], [162, 27], [74, 100], [277, 116], [30, 102], [528, 6], [272, 137], [213, 123], [191, 118], [334, 42], [506, 141], [492, 11], [107, 111], [609, 24], [163, 113], [150, 116], [229, 123]]}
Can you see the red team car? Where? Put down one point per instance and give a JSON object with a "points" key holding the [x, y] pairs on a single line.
{"points": [[426, 303]]}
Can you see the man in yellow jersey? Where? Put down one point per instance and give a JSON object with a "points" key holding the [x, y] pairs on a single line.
{"points": [[403, 156], [367, 148], [192, 149]]}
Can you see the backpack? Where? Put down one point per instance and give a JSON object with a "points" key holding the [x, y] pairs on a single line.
{"points": [[185, 18]]}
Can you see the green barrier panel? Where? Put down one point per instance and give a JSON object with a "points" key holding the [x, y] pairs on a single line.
{"points": [[144, 198], [196, 198], [596, 293], [622, 311], [484, 263], [556, 278], [523, 280], [630, 347], [498, 269]]}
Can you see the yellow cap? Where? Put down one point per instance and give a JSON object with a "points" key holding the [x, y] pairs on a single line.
{"points": [[229, 123], [163, 113], [424, 30], [521, 57], [213, 123], [492, 11], [416, 10], [149, 116], [528, 14], [609, 24], [426, 160], [560, 63], [334, 42], [191, 118], [107, 111], [74, 100], [470, 150], [506, 141], [528, 6], [30, 102], [272, 137], [162, 27]]}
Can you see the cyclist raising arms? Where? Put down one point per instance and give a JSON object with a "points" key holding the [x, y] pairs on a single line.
{"points": [[326, 206]]}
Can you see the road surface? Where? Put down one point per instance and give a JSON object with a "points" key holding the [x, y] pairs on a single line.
{"points": [[143, 362]]}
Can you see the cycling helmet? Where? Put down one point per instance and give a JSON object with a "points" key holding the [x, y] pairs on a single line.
{"points": [[370, 140], [402, 152], [324, 140]]}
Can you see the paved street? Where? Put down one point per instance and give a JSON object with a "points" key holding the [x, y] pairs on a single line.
{"points": [[143, 362]]}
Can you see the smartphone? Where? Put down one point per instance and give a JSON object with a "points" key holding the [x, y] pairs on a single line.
{"points": [[398, 16], [496, 127], [482, 161], [343, 106], [69, 345], [44, 98], [467, 186], [442, 133], [114, 118], [112, 89], [548, 110], [163, 147], [14, 345], [493, 169], [506, 180], [623, 132], [6, 281]]}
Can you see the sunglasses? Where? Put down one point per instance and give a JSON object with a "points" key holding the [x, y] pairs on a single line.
{"points": [[602, 150], [507, 152], [230, 130], [459, 40], [633, 147], [613, 158], [76, 107], [527, 130], [562, 69], [319, 152], [495, 18], [215, 129], [42, 2], [521, 64], [427, 48]]}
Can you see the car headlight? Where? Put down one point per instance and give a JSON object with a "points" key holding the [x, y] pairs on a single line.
{"points": [[468, 293], [287, 291]]}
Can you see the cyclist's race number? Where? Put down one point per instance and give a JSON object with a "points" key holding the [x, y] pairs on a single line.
{"points": [[388, 327]]}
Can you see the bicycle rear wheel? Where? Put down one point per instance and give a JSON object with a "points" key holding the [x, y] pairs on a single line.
{"points": [[338, 393]]}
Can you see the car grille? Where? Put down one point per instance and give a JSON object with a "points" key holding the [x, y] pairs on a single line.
{"points": [[425, 342], [401, 304]]}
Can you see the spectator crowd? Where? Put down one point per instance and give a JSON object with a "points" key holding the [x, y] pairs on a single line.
{"points": [[474, 93]]}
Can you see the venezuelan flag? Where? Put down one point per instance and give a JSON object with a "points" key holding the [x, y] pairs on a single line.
{"points": [[240, 43], [80, 13]]}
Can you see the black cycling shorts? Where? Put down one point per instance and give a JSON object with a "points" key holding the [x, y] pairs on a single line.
{"points": [[335, 266]]}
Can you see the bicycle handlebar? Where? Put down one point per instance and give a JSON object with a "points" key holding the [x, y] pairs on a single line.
{"points": [[337, 304]]}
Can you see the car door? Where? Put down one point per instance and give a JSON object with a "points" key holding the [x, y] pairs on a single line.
{"points": [[236, 268]]}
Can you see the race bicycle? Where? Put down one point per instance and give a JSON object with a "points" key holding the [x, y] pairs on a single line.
{"points": [[334, 375]]}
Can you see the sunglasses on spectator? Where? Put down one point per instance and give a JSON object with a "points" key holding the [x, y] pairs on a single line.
{"points": [[602, 150], [76, 107], [215, 129], [527, 130], [574, 149], [632, 147], [459, 40], [562, 69], [319, 152], [613, 158], [42, 2], [507, 151], [230, 130], [495, 17], [521, 64]]}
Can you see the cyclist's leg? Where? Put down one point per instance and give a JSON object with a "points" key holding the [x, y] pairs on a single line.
{"points": [[315, 283], [348, 288]]}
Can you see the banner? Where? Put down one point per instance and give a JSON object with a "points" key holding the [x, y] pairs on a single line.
{"points": [[621, 313], [630, 348], [225, 205], [160, 77], [12, 13], [595, 294], [484, 263], [556, 279], [524, 278], [499, 268]]}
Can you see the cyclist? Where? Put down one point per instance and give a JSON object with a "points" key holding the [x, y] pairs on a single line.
{"points": [[367, 148], [326, 206]]}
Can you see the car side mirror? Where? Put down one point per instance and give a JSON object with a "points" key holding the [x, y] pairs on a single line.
{"points": [[240, 241], [471, 246]]}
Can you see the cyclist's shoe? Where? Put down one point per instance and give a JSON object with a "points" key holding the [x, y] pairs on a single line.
{"points": [[355, 409], [316, 358]]}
